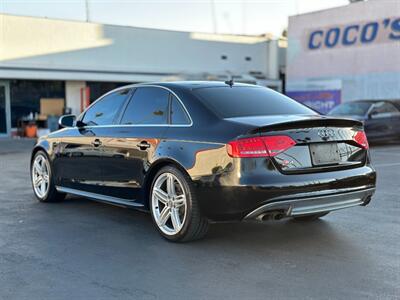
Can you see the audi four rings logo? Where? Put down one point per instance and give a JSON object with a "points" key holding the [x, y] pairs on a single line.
{"points": [[326, 133]]}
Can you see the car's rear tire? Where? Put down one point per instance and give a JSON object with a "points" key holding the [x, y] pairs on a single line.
{"points": [[42, 179], [312, 217], [174, 206]]}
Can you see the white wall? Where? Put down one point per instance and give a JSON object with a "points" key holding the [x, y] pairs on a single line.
{"points": [[73, 95], [37, 48]]}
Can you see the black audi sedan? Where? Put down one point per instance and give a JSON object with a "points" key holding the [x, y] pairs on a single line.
{"points": [[381, 118], [193, 153]]}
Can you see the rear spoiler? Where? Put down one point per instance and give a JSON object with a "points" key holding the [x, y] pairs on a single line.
{"points": [[323, 122]]}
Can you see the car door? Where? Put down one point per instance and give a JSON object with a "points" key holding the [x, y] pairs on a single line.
{"points": [[130, 146], [79, 152], [383, 121]]}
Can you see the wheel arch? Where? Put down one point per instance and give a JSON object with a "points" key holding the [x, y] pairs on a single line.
{"points": [[43, 146], [155, 167]]}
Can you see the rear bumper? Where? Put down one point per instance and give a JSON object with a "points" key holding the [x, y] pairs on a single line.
{"points": [[324, 202], [233, 199]]}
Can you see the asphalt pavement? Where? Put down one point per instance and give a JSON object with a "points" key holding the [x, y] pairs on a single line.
{"points": [[80, 249]]}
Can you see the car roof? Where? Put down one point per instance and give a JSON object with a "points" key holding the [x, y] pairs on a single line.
{"points": [[191, 85]]}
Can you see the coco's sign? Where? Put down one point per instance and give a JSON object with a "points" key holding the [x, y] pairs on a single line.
{"points": [[363, 33]]}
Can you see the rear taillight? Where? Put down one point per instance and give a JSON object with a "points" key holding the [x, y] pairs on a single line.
{"points": [[250, 147], [361, 139], [277, 144], [260, 146]]}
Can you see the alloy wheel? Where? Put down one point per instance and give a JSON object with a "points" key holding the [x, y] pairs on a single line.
{"points": [[169, 203], [41, 176]]}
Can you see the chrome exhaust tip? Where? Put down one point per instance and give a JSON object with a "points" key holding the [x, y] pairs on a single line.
{"points": [[272, 215]]}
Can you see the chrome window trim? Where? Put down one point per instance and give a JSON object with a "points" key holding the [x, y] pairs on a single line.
{"points": [[131, 86], [134, 125]]}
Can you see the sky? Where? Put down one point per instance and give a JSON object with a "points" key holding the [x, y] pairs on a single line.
{"points": [[250, 17]]}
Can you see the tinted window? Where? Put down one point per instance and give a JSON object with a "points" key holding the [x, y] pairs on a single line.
{"points": [[149, 105], [355, 109], [97, 89], [105, 110], [178, 114], [383, 108], [242, 101], [396, 104]]}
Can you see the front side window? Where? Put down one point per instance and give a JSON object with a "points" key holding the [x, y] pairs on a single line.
{"points": [[104, 111], [149, 105], [383, 108], [178, 114]]}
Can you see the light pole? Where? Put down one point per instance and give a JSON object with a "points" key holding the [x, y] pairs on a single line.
{"points": [[87, 10], [213, 16]]}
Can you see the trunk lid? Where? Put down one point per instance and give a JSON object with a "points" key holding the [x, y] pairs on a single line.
{"points": [[322, 143]]}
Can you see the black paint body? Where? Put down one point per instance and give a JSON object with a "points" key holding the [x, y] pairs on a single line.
{"points": [[228, 188]]}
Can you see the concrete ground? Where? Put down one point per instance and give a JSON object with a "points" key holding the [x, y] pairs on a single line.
{"points": [[79, 249]]}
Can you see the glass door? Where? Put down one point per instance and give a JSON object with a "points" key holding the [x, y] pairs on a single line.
{"points": [[5, 124]]}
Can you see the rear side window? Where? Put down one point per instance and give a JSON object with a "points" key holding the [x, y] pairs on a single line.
{"points": [[241, 101], [104, 111], [149, 105], [178, 114]]}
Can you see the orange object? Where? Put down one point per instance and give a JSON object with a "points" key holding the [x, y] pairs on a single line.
{"points": [[85, 98], [31, 131]]}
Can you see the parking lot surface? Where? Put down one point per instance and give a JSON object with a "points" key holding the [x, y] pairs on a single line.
{"points": [[80, 249]]}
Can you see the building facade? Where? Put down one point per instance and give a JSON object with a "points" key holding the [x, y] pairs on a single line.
{"points": [[79, 61], [344, 54]]}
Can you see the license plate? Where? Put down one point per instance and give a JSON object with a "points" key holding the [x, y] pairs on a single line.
{"points": [[324, 154]]}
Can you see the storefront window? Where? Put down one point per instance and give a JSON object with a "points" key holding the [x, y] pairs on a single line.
{"points": [[26, 95]]}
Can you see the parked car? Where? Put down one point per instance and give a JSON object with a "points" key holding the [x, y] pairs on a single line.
{"points": [[192, 153], [381, 118]]}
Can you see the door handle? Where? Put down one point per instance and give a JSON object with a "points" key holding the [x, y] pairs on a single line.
{"points": [[96, 143], [143, 145]]}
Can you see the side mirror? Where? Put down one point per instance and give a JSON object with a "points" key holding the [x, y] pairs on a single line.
{"points": [[67, 121]]}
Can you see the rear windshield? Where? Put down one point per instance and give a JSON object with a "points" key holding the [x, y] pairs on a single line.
{"points": [[241, 101], [355, 108]]}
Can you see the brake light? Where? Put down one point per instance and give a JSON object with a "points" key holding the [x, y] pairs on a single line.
{"points": [[277, 144], [250, 147], [361, 139], [266, 146]]}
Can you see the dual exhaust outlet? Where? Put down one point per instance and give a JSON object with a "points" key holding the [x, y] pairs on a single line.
{"points": [[272, 215]]}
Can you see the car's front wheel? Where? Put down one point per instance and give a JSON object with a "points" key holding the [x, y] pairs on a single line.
{"points": [[174, 206], [42, 179]]}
